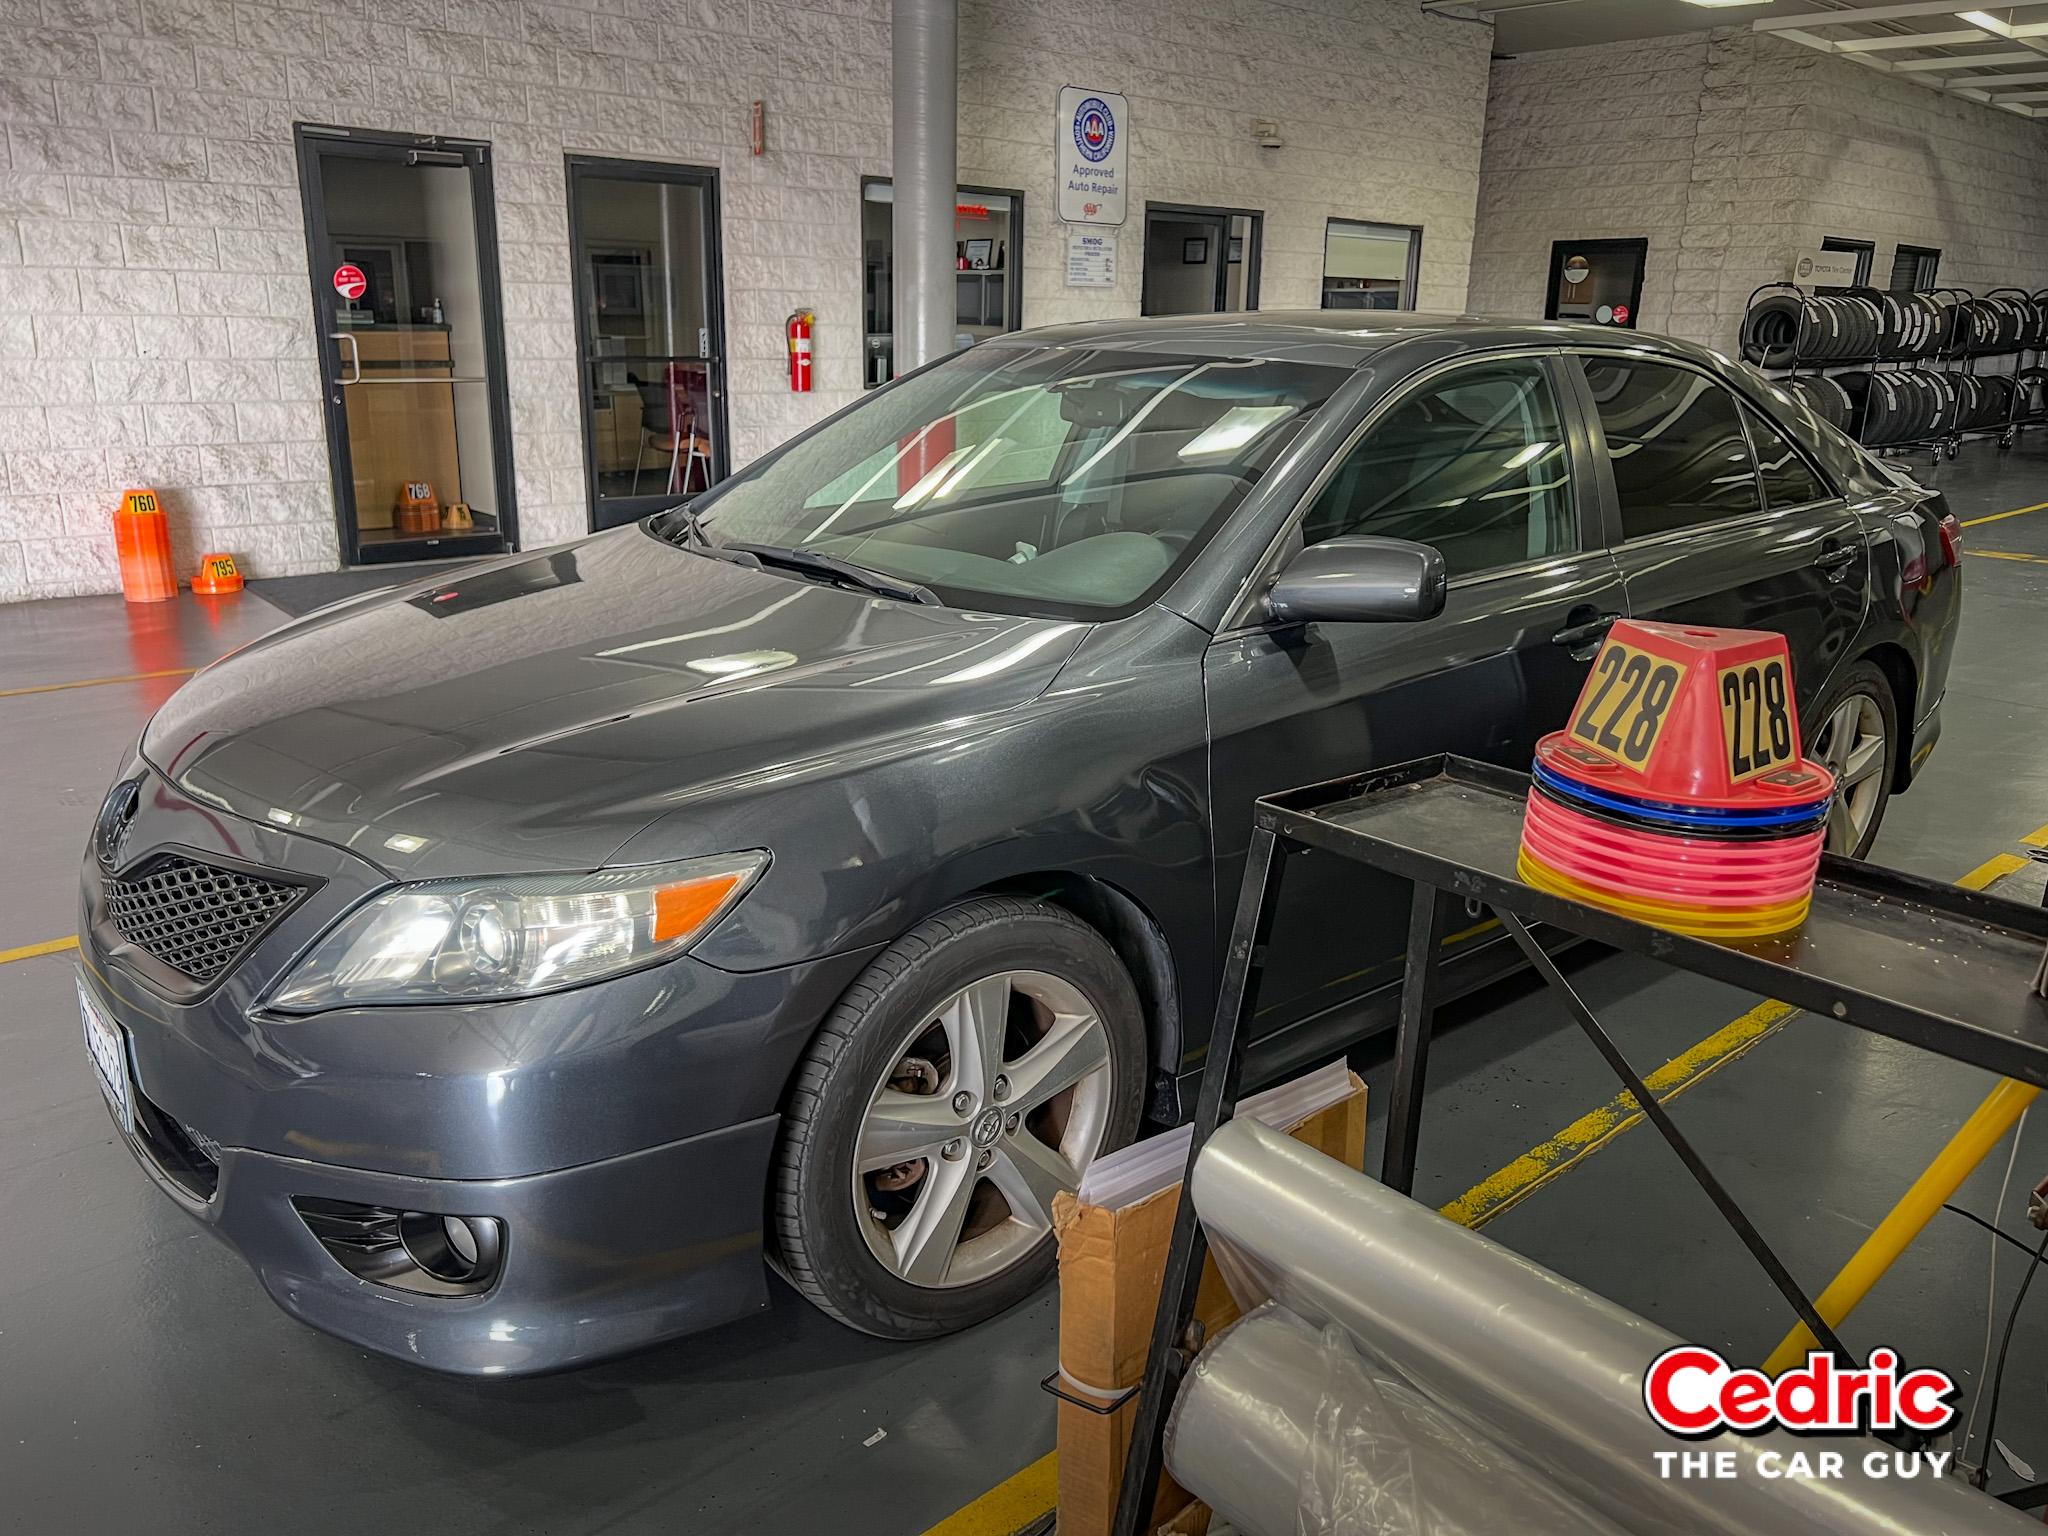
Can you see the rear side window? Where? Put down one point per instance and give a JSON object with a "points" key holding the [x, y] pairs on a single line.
{"points": [[1473, 463], [1676, 444], [1789, 481]]}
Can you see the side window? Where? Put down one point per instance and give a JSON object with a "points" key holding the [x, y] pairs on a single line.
{"points": [[1676, 445], [1474, 464], [1789, 481]]}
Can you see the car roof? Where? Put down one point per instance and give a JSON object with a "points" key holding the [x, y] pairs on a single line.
{"points": [[1338, 337]]}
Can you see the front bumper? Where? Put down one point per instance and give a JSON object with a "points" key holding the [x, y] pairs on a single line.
{"points": [[621, 1132], [598, 1260]]}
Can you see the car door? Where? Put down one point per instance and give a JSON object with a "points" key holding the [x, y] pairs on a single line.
{"points": [[1486, 460], [1713, 530]]}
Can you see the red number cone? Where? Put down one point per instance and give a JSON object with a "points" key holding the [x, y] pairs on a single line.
{"points": [[1677, 793]]}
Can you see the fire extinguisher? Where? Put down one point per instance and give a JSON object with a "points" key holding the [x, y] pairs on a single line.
{"points": [[799, 327]]}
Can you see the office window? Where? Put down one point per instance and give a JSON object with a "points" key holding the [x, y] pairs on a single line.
{"points": [[1864, 250], [1370, 266], [1913, 268], [1474, 464], [1676, 445], [988, 250]]}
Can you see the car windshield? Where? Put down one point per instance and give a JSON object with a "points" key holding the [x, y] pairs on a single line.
{"points": [[1072, 481]]}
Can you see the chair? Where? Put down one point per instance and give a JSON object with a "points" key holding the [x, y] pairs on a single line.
{"points": [[668, 423]]}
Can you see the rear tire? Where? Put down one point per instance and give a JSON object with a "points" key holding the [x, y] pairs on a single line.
{"points": [[922, 1108], [1855, 734]]}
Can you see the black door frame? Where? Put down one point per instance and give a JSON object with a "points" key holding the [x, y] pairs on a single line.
{"points": [[1561, 249], [674, 173], [311, 141], [1013, 271], [1254, 242]]}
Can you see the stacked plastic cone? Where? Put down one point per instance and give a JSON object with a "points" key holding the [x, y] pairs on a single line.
{"points": [[1678, 794]]}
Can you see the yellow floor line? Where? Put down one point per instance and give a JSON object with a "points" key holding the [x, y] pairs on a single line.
{"points": [[2038, 838], [1995, 868], [1978, 522], [30, 951], [2007, 554], [97, 682], [1009, 1506], [1510, 1186]]}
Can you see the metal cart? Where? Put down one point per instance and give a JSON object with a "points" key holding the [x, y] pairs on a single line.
{"points": [[1941, 968]]}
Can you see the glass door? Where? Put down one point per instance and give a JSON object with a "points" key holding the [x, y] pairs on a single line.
{"points": [[1200, 261], [650, 333], [402, 238]]}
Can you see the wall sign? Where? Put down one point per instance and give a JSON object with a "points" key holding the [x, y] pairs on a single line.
{"points": [[1091, 148], [1825, 269], [349, 281], [1091, 259]]}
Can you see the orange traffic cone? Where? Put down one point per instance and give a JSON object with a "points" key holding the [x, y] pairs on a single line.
{"points": [[218, 574], [142, 537]]}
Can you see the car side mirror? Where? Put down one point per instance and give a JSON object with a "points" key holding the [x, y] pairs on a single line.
{"points": [[1360, 579]]}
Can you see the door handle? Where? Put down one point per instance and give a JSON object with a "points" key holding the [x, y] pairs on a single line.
{"points": [[1836, 559], [1580, 639], [355, 354]]}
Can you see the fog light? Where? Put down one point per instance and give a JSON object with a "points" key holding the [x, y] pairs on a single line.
{"points": [[461, 1250]]}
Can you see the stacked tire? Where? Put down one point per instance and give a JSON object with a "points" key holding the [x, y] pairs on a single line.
{"points": [[1907, 405], [1824, 397]]}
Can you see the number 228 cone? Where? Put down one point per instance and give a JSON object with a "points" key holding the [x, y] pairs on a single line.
{"points": [[1677, 793]]}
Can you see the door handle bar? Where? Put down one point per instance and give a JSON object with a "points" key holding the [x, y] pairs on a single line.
{"points": [[355, 355], [1578, 636], [1830, 559]]}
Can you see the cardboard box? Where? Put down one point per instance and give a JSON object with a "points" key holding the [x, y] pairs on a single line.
{"points": [[1111, 1267]]}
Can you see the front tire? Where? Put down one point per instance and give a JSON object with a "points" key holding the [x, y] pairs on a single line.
{"points": [[1856, 737], [975, 1068]]}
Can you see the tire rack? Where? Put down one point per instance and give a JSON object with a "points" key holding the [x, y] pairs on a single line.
{"points": [[1955, 360], [1452, 827]]}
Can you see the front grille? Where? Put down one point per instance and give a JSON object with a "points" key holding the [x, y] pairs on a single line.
{"points": [[195, 918]]}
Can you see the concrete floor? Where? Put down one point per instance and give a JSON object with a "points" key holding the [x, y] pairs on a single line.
{"points": [[143, 1376]]}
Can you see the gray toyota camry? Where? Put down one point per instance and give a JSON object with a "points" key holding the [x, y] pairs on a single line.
{"points": [[827, 870]]}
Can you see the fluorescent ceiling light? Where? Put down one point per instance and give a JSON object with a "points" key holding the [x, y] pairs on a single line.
{"points": [[2010, 29], [1720, 4]]}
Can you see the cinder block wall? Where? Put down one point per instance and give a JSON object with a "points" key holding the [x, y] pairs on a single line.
{"points": [[155, 316], [1731, 151]]}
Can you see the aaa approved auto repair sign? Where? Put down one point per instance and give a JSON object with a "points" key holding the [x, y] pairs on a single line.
{"points": [[1091, 147]]}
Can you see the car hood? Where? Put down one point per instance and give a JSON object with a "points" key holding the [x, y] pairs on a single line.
{"points": [[537, 712]]}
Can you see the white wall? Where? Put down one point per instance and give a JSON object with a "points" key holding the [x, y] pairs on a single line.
{"points": [[1732, 151], [155, 318]]}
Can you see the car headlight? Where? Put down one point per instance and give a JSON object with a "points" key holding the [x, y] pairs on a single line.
{"points": [[472, 940]]}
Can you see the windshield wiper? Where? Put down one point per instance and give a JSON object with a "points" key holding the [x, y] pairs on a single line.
{"points": [[683, 519], [881, 583]]}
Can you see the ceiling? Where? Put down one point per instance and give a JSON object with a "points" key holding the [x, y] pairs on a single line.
{"points": [[1997, 55]]}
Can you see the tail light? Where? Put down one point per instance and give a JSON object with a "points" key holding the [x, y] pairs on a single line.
{"points": [[1952, 539]]}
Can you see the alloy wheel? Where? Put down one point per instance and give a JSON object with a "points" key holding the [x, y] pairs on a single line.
{"points": [[996, 1102], [1852, 746]]}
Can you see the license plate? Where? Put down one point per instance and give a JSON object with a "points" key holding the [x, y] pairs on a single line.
{"points": [[108, 1048]]}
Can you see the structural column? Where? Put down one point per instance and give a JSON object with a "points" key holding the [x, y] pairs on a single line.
{"points": [[925, 87]]}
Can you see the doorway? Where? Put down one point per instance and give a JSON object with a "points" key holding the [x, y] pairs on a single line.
{"points": [[650, 333], [1200, 261], [402, 235]]}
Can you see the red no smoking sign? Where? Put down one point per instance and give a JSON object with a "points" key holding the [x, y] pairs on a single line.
{"points": [[349, 281]]}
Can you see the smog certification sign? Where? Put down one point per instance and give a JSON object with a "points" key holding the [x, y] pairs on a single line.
{"points": [[1091, 148]]}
